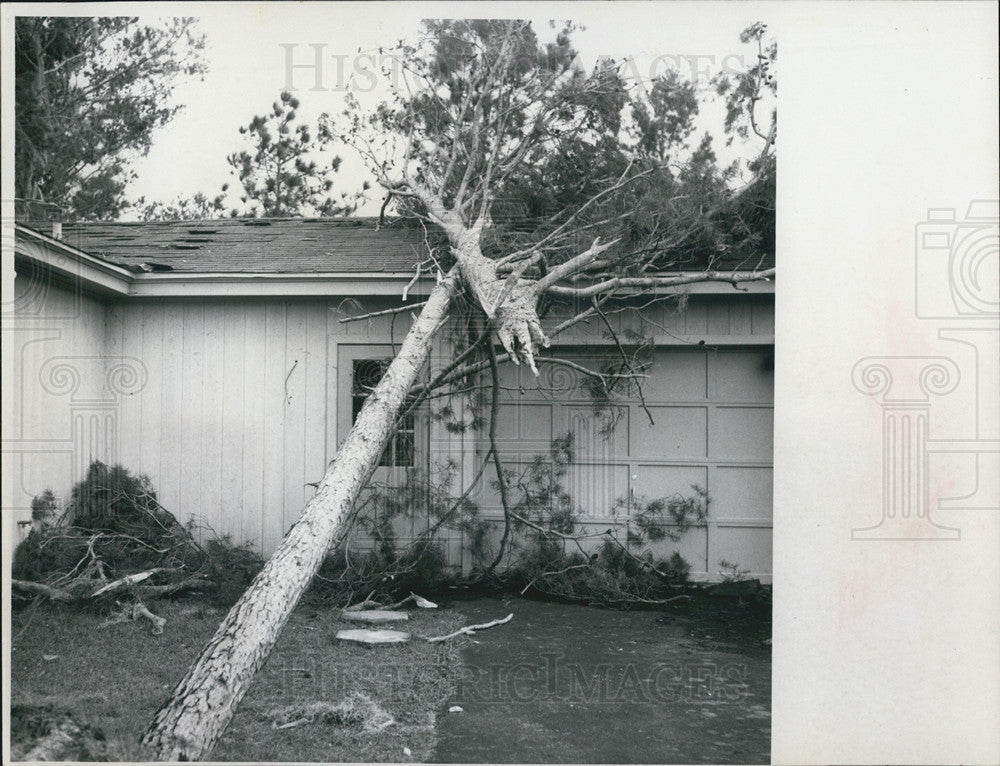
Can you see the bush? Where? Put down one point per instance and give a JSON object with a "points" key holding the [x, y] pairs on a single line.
{"points": [[540, 554], [113, 526]]}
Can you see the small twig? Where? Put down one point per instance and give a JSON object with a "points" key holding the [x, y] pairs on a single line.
{"points": [[288, 398], [469, 630]]}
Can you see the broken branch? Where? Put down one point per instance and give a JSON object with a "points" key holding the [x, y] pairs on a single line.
{"points": [[469, 630]]}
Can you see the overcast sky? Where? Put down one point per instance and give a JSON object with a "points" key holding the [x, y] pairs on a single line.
{"points": [[247, 47]]}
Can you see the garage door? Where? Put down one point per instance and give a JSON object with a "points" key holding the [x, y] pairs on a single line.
{"points": [[706, 420]]}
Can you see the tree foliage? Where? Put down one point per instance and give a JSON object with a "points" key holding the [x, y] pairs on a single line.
{"points": [[196, 207], [90, 95], [489, 114], [288, 170]]}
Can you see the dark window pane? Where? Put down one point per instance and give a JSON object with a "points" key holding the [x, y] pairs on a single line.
{"points": [[404, 449], [366, 375]]}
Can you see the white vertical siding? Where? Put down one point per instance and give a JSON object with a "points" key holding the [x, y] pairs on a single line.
{"points": [[57, 403], [235, 409]]}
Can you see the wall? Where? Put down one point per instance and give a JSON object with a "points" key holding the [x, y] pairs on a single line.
{"points": [[60, 397], [229, 404]]}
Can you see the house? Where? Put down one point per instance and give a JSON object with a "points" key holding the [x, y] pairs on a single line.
{"points": [[211, 356]]}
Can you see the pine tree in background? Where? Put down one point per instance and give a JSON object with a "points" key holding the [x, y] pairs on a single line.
{"points": [[288, 171]]}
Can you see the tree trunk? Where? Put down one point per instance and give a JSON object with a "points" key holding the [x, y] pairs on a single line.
{"points": [[190, 722]]}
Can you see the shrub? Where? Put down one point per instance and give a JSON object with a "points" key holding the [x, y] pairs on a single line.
{"points": [[114, 526], [543, 554], [347, 576]]}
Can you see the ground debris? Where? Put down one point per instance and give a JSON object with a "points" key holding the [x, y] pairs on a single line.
{"points": [[47, 733], [375, 615], [357, 710], [420, 601], [364, 636], [470, 630]]}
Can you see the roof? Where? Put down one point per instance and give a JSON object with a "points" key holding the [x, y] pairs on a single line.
{"points": [[255, 245], [233, 257]]}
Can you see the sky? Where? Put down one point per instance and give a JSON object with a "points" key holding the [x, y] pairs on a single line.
{"points": [[248, 47]]}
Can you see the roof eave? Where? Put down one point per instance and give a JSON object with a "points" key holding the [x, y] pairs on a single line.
{"points": [[71, 263]]}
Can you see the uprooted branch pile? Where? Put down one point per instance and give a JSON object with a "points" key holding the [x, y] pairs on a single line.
{"points": [[114, 540]]}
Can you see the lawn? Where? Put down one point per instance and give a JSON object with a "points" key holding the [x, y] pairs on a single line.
{"points": [[335, 701], [560, 683]]}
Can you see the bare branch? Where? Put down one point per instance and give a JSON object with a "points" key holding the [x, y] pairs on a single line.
{"points": [[614, 283], [384, 312], [471, 629]]}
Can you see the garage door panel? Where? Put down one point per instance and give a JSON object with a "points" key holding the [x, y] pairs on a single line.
{"points": [[597, 435], [677, 376], [655, 481], [750, 548], [741, 493], [743, 376], [525, 428], [742, 433], [680, 432], [713, 427], [596, 488]]}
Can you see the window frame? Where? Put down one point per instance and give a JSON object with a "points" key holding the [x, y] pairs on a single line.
{"points": [[348, 403]]}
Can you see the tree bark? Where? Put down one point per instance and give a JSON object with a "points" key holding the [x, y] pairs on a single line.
{"points": [[192, 720]]}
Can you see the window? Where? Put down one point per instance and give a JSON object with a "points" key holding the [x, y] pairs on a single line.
{"points": [[366, 374]]}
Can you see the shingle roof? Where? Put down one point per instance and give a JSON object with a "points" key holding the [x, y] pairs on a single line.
{"points": [[276, 246], [261, 246]]}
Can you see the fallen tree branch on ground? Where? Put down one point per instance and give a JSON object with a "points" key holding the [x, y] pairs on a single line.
{"points": [[157, 623], [131, 579], [470, 630], [420, 601], [41, 589], [79, 590]]}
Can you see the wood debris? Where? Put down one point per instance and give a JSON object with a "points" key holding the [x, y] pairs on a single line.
{"points": [[363, 636]]}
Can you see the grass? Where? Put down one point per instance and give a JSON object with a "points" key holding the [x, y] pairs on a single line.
{"points": [[335, 701]]}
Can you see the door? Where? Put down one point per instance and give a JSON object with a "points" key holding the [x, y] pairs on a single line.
{"points": [[359, 369], [705, 419]]}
